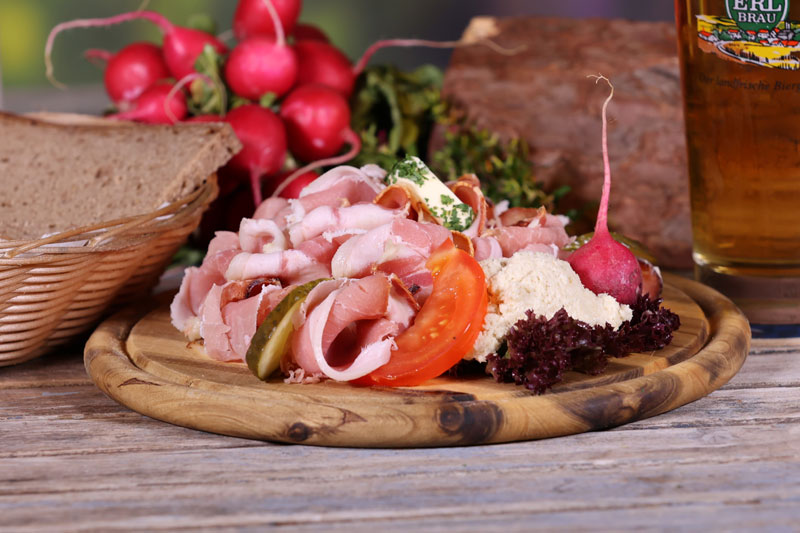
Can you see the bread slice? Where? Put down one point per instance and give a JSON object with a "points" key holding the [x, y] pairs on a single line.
{"points": [[68, 171]]}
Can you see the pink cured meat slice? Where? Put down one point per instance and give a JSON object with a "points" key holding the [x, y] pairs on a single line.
{"points": [[289, 266], [350, 332], [270, 208], [401, 247], [515, 238], [257, 233], [229, 320], [468, 189], [487, 248], [340, 183], [198, 281], [324, 219]]}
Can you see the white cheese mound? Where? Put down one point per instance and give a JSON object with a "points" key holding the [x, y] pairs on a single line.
{"points": [[545, 284]]}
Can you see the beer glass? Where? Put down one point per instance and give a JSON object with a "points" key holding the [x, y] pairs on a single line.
{"points": [[740, 69]]}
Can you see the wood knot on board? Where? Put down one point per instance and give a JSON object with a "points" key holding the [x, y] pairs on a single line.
{"points": [[298, 432], [473, 422]]}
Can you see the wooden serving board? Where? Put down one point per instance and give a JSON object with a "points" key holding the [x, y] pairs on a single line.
{"points": [[138, 358]]}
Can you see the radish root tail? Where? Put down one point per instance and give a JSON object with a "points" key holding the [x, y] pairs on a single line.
{"points": [[362, 62], [602, 217], [350, 138], [97, 56], [280, 38], [156, 18]]}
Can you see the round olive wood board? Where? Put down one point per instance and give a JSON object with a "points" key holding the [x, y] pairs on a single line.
{"points": [[137, 358]]}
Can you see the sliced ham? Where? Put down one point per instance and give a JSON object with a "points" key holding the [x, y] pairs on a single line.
{"points": [[230, 315], [323, 248], [401, 247], [487, 248], [242, 317], [261, 235], [340, 183], [289, 266], [545, 230], [322, 219], [198, 281], [468, 189], [270, 208], [349, 333]]}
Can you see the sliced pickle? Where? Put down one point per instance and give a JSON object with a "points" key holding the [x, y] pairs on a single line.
{"points": [[271, 341]]}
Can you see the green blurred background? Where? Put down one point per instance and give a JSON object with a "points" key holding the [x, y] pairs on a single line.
{"points": [[351, 24]]}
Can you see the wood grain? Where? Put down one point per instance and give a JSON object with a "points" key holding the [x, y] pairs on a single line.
{"points": [[74, 460], [145, 364]]}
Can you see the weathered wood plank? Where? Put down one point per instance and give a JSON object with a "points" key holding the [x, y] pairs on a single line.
{"points": [[616, 472], [764, 370], [62, 367]]}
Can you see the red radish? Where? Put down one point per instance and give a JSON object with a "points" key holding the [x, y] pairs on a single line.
{"points": [[309, 32], [159, 104], [320, 62], [181, 45], [130, 71], [317, 120], [297, 185], [263, 139], [603, 264], [260, 65], [252, 17]]}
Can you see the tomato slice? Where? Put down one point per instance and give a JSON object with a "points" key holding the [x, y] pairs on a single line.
{"points": [[446, 327]]}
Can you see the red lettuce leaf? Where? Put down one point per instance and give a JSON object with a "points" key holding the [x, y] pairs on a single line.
{"points": [[539, 351]]}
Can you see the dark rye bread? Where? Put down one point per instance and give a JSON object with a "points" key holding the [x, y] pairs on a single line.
{"points": [[58, 176]]}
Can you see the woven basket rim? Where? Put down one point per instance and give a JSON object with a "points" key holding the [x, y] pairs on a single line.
{"points": [[111, 234]]}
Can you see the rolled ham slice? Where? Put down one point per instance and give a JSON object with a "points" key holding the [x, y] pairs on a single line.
{"points": [[400, 247], [349, 327]]}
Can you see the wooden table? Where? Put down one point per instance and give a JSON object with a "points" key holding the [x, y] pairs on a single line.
{"points": [[72, 459]]}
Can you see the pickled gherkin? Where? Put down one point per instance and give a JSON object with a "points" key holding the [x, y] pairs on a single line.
{"points": [[271, 341]]}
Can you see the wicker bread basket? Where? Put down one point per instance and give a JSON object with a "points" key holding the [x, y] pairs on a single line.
{"points": [[54, 289]]}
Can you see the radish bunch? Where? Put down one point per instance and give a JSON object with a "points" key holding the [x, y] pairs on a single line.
{"points": [[283, 88]]}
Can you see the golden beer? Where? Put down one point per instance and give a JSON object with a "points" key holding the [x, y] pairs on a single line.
{"points": [[740, 62]]}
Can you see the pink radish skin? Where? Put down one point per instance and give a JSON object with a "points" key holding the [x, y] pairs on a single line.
{"points": [[158, 104], [259, 65], [316, 118], [317, 122], [252, 17], [263, 139], [309, 32], [132, 70], [181, 45], [603, 264], [323, 63]]}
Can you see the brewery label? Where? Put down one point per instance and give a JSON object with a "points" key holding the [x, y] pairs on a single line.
{"points": [[755, 32], [757, 14]]}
